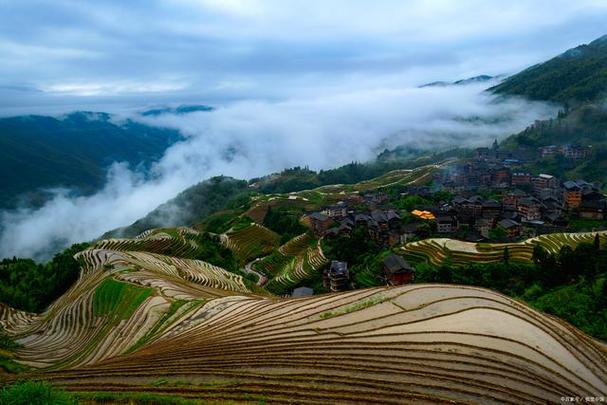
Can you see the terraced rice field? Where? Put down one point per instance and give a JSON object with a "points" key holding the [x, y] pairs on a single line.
{"points": [[121, 299], [296, 260], [436, 250], [258, 212], [250, 242], [177, 242], [424, 343]]}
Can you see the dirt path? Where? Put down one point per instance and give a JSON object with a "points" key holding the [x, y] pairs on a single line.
{"points": [[248, 269]]}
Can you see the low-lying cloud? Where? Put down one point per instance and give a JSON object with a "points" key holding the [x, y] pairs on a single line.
{"points": [[251, 138]]}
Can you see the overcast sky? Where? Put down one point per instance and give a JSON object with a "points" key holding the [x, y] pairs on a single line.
{"points": [[145, 52]]}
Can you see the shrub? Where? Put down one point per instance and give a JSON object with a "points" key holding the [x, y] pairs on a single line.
{"points": [[34, 393]]}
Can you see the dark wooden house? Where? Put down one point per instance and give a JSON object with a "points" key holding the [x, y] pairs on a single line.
{"points": [[397, 270]]}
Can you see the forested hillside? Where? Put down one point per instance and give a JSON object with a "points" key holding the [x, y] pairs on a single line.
{"points": [[191, 205], [72, 151], [576, 76]]}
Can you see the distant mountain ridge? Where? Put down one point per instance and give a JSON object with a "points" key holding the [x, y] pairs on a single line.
{"points": [[461, 82], [180, 110], [73, 150], [576, 76]]}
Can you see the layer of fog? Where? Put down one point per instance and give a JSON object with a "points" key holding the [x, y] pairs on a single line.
{"points": [[252, 138]]}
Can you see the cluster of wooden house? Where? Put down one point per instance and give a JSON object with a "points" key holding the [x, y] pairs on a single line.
{"points": [[396, 271], [545, 203], [384, 226]]}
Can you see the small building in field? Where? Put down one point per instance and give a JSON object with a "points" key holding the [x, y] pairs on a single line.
{"points": [[337, 276], [397, 270], [302, 292]]}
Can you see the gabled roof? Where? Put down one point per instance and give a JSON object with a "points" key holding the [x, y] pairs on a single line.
{"points": [[302, 292], [529, 201], [396, 264], [444, 219], [317, 216], [507, 223], [517, 193], [571, 185], [594, 205], [476, 199], [347, 221], [344, 227], [379, 216], [361, 217], [459, 200], [338, 268], [491, 204], [391, 214]]}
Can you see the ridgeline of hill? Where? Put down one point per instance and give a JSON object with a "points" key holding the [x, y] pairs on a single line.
{"points": [[73, 151], [576, 76]]}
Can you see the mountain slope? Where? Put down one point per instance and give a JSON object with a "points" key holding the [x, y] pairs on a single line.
{"points": [[578, 75], [72, 151], [191, 205]]}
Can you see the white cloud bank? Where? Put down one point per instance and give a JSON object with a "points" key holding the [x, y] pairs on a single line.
{"points": [[252, 138]]}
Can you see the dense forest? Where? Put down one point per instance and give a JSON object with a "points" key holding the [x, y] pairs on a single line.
{"points": [[31, 286], [285, 222]]}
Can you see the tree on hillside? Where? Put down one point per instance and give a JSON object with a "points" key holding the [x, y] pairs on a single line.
{"points": [[506, 257]]}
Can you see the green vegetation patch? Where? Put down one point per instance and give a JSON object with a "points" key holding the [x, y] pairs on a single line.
{"points": [[162, 322], [118, 298], [34, 393], [356, 306], [30, 286], [7, 346]]}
